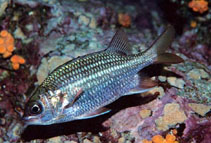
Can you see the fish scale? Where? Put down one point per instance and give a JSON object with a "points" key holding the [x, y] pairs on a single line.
{"points": [[89, 83], [106, 95], [71, 70]]}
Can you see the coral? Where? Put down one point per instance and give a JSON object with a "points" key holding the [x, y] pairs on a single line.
{"points": [[155, 90], [199, 108], [173, 81], [145, 113], [198, 74], [16, 61], [169, 118], [124, 20], [198, 5], [6, 43]]}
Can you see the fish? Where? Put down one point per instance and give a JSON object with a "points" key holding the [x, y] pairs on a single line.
{"points": [[82, 87]]}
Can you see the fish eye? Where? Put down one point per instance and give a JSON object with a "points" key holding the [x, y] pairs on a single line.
{"points": [[35, 108]]}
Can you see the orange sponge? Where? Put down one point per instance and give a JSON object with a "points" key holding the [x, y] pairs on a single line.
{"points": [[146, 141], [16, 61], [158, 139], [6, 43], [170, 138], [198, 5], [124, 20]]}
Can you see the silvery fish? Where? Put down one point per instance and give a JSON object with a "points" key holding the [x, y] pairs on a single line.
{"points": [[80, 88]]}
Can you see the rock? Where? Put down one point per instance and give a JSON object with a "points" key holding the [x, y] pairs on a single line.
{"points": [[56, 61], [198, 74], [55, 140], [29, 27], [145, 113], [92, 45], [70, 142], [14, 131], [203, 73], [1, 140], [42, 72], [96, 139], [92, 24], [180, 83], [2, 112], [173, 81], [3, 6], [172, 116], [159, 89], [2, 121], [87, 141], [19, 34], [199, 108], [194, 74], [162, 78], [83, 20], [114, 133], [68, 50], [121, 140], [125, 122]]}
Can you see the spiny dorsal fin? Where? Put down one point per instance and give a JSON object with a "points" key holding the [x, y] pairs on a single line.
{"points": [[119, 43]]}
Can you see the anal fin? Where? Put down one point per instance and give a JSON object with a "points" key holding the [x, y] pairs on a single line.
{"points": [[98, 112], [144, 84]]}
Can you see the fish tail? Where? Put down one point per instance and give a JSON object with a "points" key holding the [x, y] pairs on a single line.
{"points": [[161, 44]]}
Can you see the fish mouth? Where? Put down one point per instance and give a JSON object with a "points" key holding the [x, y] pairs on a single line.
{"points": [[30, 120]]}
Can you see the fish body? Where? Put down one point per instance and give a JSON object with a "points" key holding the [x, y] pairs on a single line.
{"points": [[80, 88]]}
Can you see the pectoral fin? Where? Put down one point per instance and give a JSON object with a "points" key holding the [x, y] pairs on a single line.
{"points": [[98, 112], [78, 94]]}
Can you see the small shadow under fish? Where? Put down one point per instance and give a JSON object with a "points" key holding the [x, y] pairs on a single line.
{"points": [[158, 70], [94, 125]]}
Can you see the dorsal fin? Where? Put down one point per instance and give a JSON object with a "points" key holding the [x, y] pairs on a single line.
{"points": [[119, 43]]}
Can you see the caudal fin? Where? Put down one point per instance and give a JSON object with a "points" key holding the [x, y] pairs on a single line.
{"points": [[161, 44], [168, 58]]}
